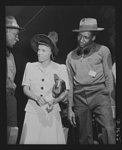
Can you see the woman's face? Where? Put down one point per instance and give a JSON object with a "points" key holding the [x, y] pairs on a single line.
{"points": [[44, 53]]}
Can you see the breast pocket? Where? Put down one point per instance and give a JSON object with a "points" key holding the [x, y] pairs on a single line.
{"points": [[94, 61]]}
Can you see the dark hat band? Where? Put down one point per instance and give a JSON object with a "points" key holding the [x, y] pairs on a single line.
{"points": [[14, 27], [88, 27]]}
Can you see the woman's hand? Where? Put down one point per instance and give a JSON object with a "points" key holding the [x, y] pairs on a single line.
{"points": [[51, 102], [51, 105], [40, 101]]}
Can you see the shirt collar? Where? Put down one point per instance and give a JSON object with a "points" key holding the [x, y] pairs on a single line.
{"points": [[86, 50], [46, 69]]}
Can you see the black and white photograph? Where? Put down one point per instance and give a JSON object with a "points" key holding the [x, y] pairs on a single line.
{"points": [[61, 75]]}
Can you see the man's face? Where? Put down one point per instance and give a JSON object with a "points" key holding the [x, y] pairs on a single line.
{"points": [[11, 37], [85, 38]]}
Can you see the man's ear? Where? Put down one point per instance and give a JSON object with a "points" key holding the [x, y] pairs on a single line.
{"points": [[93, 38]]}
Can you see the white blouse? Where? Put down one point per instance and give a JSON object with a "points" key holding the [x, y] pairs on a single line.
{"points": [[41, 82]]}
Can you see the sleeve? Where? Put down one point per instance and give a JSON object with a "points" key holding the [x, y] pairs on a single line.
{"points": [[107, 68], [64, 75], [70, 75], [27, 75]]}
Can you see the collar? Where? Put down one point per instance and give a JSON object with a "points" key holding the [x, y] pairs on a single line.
{"points": [[44, 69], [8, 52], [86, 50]]}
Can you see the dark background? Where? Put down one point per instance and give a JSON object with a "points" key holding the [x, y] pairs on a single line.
{"points": [[62, 19]]}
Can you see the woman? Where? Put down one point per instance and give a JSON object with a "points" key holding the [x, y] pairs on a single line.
{"points": [[42, 123]]}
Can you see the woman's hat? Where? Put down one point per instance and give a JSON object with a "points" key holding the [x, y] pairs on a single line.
{"points": [[88, 24], [53, 36], [42, 39], [11, 23]]}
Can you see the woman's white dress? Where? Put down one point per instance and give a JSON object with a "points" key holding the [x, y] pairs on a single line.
{"points": [[41, 127]]}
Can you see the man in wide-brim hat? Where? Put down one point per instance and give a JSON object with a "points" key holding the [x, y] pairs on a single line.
{"points": [[88, 24], [11, 23], [89, 68], [12, 31]]}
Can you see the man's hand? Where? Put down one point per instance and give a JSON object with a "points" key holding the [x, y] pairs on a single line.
{"points": [[114, 111], [113, 106], [10, 83], [71, 117]]}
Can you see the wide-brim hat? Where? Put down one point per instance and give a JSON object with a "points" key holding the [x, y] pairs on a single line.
{"points": [[88, 24], [42, 39], [11, 23]]}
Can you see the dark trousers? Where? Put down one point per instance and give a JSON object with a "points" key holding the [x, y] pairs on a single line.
{"points": [[11, 108], [93, 99]]}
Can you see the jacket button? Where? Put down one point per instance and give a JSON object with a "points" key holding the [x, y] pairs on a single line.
{"points": [[42, 79], [42, 88]]}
